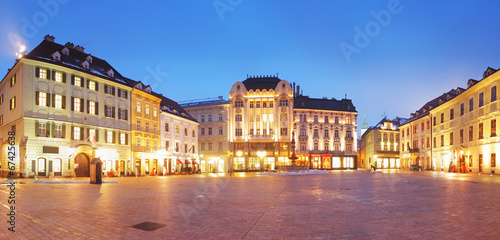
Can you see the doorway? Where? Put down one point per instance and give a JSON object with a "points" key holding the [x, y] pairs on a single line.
{"points": [[82, 169], [480, 163]]}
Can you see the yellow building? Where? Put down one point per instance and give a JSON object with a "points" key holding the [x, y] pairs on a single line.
{"points": [[145, 120], [379, 145], [66, 107]]}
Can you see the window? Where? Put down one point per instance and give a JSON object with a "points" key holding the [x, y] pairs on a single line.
{"points": [[193, 135], [176, 146], [147, 127], [92, 85], [210, 117], [77, 104], [185, 148], [92, 134], [433, 121], [451, 138], [422, 126], [176, 129], [155, 146], [185, 132], [122, 114], [147, 108], [481, 99], [138, 146], [493, 160], [326, 119], [122, 93], [315, 118], [166, 127], [221, 131], [167, 145], [462, 109], [202, 146], [110, 111], [220, 146], [42, 73], [316, 146], [58, 131], [348, 148], [1, 99], [76, 133], [77, 81], [480, 131], [428, 142], [271, 104], [202, 132], [494, 93], [138, 126], [238, 118], [220, 117], [13, 103], [461, 136], [209, 131], [284, 102], [402, 133], [239, 132], [147, 146], [493, 128], [442, 117], [109, 89], [326, 134], [13, 80], [42, 131], [210, 146], [284, 131], [238, 103], [58, 77], [257, 104], [452, 112], [471, 104], [428, 125], [336, 119], [251, 104], [109, 136], [155, 112], [336, 134], [315, 133], [138, 106], [91, 109], [42, 99], [434, 142], [202, 118], [325, 146], [154, 129], [471, 133]]}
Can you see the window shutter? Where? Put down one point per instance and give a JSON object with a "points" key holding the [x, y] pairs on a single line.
{"points": [[126, 94], [82, 130], [88, 83], [72, 79], [96, 135], [37, 128], [48, 74], [64, 130], [113, 112], [88, 106], [82, 82], [96, 108], [114, 137], [53, 100], [96, 86], [105, 88], [126, 114], [37, 72], [33, 165], [48, 99], [47, 129], [113, 90], [53, 75], [64, 77], [72, 137], [106, 110], [53, 133], [82, 105], [72, 103], [63, 102], [126, 138], [37, 93]]}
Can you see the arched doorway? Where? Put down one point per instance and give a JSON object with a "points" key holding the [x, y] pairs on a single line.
{"points": [[82, 169], [220, 166]]}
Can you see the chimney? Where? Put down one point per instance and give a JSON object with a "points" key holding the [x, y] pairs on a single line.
{"points": [[49, 38], [69, 45], [79, 48], [294, 89], [298, 90]]}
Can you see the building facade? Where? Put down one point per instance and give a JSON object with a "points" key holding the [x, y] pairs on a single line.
{"points": [[379, 145], [260, 123], [66, 107], [212, 115], [325, 132], [179, 138]]}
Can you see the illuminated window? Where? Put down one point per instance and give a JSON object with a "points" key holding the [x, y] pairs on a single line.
{"points": [[76, 133], [284, 131], [58, 101], [494, 93], [42, 73], [481, 99], [480, 131], [122, 139], [42, 99], [471, 104], [42, 131], [155, 112], [92, 108], [147, 108], [12, 103], [471, 133], [493, 128], [92, 135], [166, 127], [77, 81], [147, 127], [138, 126], [13, 80], [239, 132], [138, 106], [58, 77], [92, 85], [493, 160], [176, 129], [76, 104], [109, 136]]}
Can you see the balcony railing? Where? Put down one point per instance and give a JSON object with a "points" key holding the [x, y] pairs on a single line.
{"points": [[349, 138], [414, 150], [303, 137], [260, 136]]}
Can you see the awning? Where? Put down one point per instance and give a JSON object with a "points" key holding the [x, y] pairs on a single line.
{"points": [[179, 162], [187, 162], [195, 162]]}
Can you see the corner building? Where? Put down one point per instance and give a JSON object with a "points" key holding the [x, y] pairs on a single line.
{"points": [[260, 123]]}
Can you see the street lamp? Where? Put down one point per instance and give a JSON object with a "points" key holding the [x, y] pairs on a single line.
{"points": [[261, 154]]}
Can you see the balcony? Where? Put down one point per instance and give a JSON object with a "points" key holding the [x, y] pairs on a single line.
{"points": [[260, 136], [303, 137], [414, 150], [349, 139]]}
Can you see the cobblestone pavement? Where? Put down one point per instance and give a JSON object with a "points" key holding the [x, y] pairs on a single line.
{"points": [[338, 205]]}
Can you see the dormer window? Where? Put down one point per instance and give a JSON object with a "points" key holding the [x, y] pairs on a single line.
{"points": [[85, 65], [56, 56], [89, 59], [148, 89], [65, 51], [138, 86], [110, 73]]}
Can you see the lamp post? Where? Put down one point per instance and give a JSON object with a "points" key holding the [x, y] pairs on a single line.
{"points": [[261, 154]]}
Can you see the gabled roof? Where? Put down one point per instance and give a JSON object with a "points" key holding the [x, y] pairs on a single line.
{"points": [[99, 67], [443, 98], [398, 121], [305, 102], [261, 82], [172, 107]]}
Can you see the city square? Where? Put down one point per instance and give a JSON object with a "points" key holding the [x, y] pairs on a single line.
{"points": [[340, 205]]}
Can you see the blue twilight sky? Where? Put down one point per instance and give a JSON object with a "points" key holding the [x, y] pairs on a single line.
{"points": [[388, 56]]}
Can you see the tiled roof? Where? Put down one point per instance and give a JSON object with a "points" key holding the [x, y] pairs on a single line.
{"points": [[172, 107], [305, 102], [264, 82]]}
